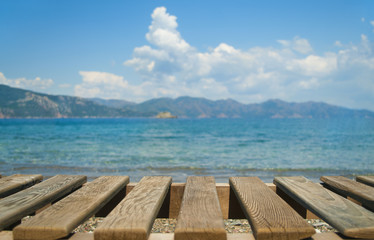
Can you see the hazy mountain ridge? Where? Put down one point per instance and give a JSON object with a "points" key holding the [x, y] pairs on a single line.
{"points": [[19, 103]]}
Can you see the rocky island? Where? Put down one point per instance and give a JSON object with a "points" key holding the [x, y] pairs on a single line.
{"points": [[165, 115]]}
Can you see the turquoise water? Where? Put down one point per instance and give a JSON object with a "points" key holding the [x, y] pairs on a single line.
{"points": [[183, 147]]}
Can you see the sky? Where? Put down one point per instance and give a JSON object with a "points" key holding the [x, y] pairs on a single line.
{"points": [[249, 51]]}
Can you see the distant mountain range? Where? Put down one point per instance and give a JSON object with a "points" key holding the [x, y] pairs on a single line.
{"points": [[19, 103]]}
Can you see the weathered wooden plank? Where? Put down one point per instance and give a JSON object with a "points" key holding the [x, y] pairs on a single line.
{"points": [[230, 236], [176, 196], [164, 211], [347, 217], [17, 182], [326, 236], [6, 235], [223, 193], [21, 204], [269, 216], [368, 180], [200, 215], [349, 188], [134, 216], [63, 217]]}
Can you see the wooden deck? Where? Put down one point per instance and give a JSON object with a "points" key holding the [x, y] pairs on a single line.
{"points": [[274, 210]]}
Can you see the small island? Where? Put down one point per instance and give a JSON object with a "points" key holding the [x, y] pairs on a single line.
{"points": [[165, 115]]}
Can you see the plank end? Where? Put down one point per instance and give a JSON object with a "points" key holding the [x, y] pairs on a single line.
{"points": [[128, 234], [204, 234], [365, 233], [282, 233], [6, 235], [38, 233]]}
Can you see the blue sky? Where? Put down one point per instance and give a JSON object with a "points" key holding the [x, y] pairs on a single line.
{"points": [[250, 51]]}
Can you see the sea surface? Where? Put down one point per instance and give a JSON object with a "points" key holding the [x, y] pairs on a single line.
{"points": [[183, 147]]}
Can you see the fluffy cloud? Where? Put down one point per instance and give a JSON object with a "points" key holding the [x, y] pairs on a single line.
{"points": [[256, 73], [170, 67], [105, 85], [35, 84]]}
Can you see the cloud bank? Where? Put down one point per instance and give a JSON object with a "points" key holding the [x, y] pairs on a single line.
{"points": [[292, 70], [33, 84]]}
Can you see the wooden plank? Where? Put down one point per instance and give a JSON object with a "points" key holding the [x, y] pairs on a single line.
{"points": [[326, 236], [270, 217], [301, 210], [347, 217], [230, 236], [349, 188], [6, 235], [62, 218], [17, 182], [368, 180], [21, 204], [165, 207], [272, 186], [176, 196], [200, 215], [134, 216], [223, 193]]}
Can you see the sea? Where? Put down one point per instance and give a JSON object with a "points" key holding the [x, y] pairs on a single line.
{"points": [[222, 148]]}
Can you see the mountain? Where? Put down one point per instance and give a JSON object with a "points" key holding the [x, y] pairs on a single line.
{"points": [[19, 103], [113, 103], [188, 107]]}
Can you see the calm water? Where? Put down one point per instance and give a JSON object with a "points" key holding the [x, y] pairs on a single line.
{"points": [[183, 147]]}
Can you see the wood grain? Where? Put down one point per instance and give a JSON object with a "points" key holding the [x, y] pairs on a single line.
{"points": [[200, 215], [63, 217], [347, 217], [17, 182], [134, 216], [223, 191], [368, 180], [270, 217], [349, 188], [21, 204]]}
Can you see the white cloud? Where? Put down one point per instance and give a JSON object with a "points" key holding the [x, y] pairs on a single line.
{"points": [[299, 45], [35, 84], [163, 32], [111, 86], [234, 71], [170, 67], [105, 85], [314, 65]]}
